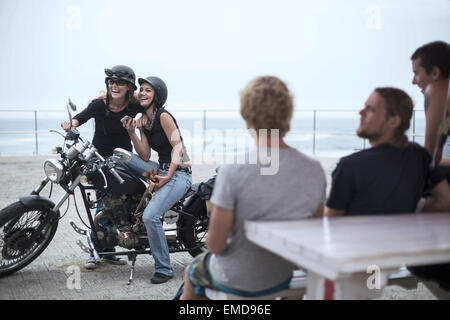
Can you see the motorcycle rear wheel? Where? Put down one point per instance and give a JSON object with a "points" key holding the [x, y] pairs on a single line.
{"points": [[193, 230], [17, 224]]}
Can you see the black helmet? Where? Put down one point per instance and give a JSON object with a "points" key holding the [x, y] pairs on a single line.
{"points": [[122, 73], [160, 89]]}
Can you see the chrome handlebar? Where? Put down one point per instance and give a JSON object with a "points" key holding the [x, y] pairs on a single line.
{"points": [[77, 150], [111, 170]]}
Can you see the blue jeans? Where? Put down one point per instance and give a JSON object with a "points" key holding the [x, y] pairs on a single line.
{"points": [[163, 199], [103, 221]]}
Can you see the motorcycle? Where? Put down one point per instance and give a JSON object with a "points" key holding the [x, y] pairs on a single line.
{"points": [[28, 225]]}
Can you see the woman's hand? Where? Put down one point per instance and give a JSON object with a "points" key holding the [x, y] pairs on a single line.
{"points": [[65, 125], [162, 180], [130, 125], [142, 121]]}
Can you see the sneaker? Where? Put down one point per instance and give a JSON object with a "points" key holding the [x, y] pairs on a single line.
{"points": [[160, 278], [91, 263], [114, 260]]}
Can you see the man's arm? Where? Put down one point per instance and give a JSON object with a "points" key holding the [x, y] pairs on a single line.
{"points": [[439, 200], [219, 228], [445, 161], [435, 98], [342, 189], [319, 211], [329, 212]]}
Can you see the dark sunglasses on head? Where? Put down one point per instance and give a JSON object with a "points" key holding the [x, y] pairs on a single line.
{"points": [[118, 82], [119, 73]]}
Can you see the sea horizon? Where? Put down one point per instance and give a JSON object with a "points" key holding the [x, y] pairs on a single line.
{"points": [[329, 133]]}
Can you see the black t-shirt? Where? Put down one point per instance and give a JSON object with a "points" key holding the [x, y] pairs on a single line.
{"points": [[109, 132], [381, 180], [158, 141]]}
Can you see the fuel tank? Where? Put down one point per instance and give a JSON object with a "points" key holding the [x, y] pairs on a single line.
{"points": [[131, 185]]}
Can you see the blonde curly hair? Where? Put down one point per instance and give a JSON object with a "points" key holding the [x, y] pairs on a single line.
{"points": [[266, 103]]}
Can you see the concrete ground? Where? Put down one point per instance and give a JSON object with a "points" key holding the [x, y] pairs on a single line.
{"points": [[53, 275]]}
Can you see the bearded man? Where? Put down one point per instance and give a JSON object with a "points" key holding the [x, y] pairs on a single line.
{"points": [[392, 175]]}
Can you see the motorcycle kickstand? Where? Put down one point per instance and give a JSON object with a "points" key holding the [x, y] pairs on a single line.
{"points": [[133, 262]]}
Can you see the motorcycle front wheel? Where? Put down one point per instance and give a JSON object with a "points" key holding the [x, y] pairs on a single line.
{"points": [[193, 229], [17, 224]]}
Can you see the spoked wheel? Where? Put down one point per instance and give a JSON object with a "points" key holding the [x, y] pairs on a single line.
{"points": [[17, 225], [193, 230]]}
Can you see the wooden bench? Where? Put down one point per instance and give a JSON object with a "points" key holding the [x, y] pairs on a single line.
{"points": [[297, 287]]}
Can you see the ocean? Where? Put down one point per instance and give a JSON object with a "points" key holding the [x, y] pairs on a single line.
{"points": [[321, 133]]}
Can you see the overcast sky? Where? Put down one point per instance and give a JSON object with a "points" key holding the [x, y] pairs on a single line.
{"points": [[331, 53]]}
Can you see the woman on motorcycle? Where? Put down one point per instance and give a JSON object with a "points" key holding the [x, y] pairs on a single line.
{"points": [[160, 133], [108, 110]]}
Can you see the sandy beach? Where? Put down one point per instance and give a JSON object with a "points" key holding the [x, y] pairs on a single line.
{"points": [[47, 277]]}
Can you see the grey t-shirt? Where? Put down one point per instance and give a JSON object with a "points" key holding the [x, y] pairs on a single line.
{"points": [[294, 192]]}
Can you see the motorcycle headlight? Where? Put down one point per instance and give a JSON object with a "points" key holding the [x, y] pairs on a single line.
{"points": [[53, 170]]}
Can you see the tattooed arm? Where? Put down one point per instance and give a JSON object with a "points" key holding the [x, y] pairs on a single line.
{"points": [[435, 101]]}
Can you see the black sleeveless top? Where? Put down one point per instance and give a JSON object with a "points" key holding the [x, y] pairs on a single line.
{"points": [[159, 142]]}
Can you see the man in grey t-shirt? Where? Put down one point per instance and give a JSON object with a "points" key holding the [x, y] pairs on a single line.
{"points": [[295, 192], [242, 192]]}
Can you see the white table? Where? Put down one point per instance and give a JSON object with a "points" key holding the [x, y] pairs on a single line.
{"points": [[352, 257]]}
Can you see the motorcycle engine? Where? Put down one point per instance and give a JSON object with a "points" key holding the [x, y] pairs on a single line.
{"points": [[119, 210]]}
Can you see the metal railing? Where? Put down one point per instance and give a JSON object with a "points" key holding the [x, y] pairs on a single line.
{"points": [[37, 133]]}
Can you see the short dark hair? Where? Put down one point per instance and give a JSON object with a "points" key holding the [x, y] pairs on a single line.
{"points": [[433, 54]]}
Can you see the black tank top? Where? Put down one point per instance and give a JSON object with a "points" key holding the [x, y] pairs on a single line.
{"points": [[158, 141]]}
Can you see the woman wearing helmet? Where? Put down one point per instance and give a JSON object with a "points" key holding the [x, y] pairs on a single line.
{"points": [[108, 110], [160, 133]]}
